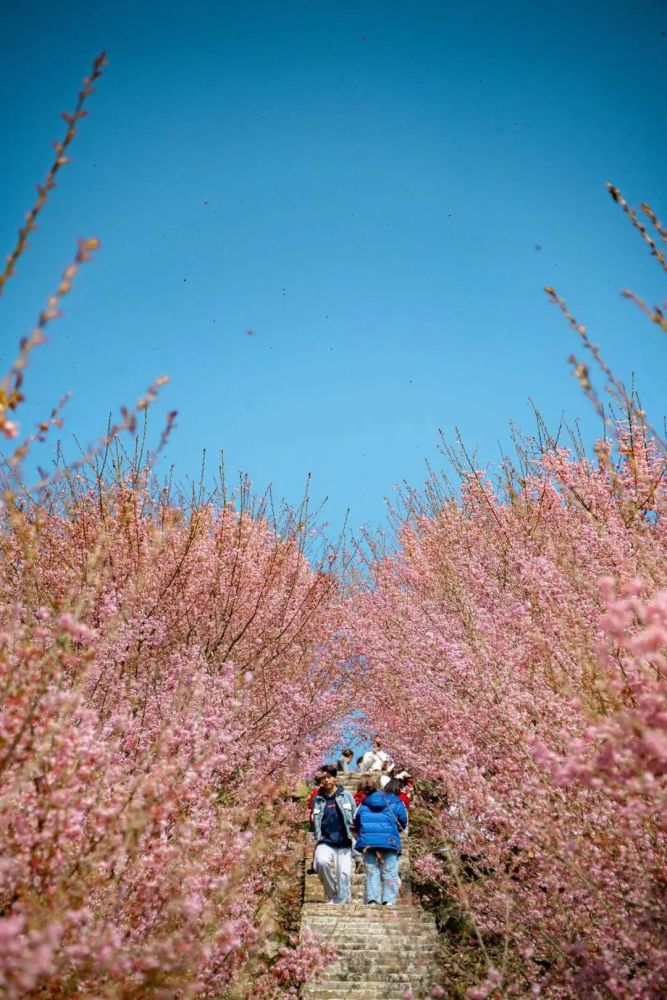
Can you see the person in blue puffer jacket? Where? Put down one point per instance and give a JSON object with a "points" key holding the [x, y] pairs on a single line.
{"points": [[377, 823]]}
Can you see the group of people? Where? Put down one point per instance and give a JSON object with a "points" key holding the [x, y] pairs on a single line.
{"points": [[362, 829]]}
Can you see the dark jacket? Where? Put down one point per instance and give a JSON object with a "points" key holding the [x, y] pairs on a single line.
{"points": [[378, 820]]}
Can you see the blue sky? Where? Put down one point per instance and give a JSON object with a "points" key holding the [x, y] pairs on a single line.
{"points": [[365, 187]]}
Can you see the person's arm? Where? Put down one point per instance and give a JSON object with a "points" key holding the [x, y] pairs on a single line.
{"points": [[348, 810], [312, 810], [400, 812], [316, 819]]}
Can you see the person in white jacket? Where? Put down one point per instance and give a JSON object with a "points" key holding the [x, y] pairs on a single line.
{"points": [[375, 759]]}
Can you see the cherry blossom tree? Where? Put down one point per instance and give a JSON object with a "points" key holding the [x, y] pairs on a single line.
{"points": [[514, 645], [165, 677]]}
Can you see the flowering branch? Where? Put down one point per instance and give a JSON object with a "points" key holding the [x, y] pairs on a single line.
{"points": [[10, 389], [639, 226], [43, 190]]}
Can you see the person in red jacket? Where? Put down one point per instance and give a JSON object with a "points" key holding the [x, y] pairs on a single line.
{"points": [[401, 790], [359, 796]]}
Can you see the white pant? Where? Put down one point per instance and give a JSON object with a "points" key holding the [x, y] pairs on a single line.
{"points": [[334, 866]]}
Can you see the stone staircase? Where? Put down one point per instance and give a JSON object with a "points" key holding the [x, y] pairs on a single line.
{"points": [[382, 952]]}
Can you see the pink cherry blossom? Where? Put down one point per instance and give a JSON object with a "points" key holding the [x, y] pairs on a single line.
{"points": [[514, 645]]}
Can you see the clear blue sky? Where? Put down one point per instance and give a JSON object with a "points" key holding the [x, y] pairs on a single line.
{"points": [[362, 185]]}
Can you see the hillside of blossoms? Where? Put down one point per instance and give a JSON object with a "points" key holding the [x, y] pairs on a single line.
{"points": [[517, 649], [172, 664]]}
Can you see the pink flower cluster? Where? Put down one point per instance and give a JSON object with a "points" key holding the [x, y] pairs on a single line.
{"points": [[302, 963], [514, 648], [165, 678]]}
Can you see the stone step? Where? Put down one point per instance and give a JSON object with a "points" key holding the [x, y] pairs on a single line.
{"points": [[388, 969], [371, 915], [338, 919], [424, 974], [417, 950], [341, 988], [352, 930], [331, 983], [378, 939], [384, 948], [413, 932], [406, 944], [365, 913], [338, 926], [373, 927], [316, 897], [365, 990], [369, 991]]}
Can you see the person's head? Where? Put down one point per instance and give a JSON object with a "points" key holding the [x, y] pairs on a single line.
{"points": [[328, 779], [371, 783], [377, 745], [393, 786], [347, 754], [360, 761]]}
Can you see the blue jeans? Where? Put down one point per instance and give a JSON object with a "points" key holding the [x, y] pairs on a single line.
{"points": [[382, 880]]}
